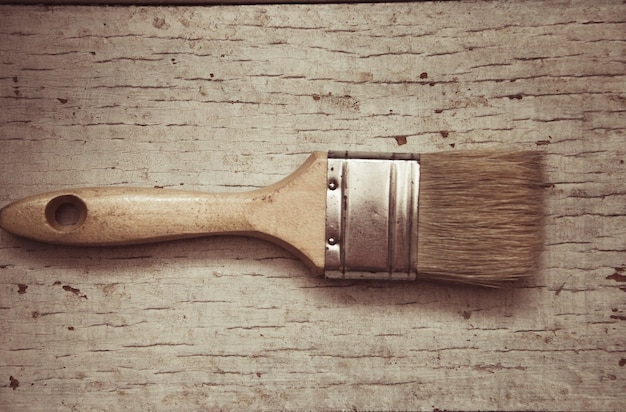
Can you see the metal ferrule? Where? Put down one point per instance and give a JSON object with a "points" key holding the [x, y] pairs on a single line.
{"points": [[371, 216]]}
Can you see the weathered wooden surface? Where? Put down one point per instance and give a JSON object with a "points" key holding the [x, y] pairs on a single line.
{"points": [[233, 98]]}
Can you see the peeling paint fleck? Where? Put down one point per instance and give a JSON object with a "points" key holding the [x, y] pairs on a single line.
{"points": [[401, 140], [14, 382], [617, 276], [75, 291]]}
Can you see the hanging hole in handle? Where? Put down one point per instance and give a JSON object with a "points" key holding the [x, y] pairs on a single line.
{"points": [[66, 212]]}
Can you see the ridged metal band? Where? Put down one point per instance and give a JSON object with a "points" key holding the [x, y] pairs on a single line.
{"points": [[371, 216]]}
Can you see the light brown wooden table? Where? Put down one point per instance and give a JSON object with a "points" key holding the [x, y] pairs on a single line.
{"points": [[234, 98]]}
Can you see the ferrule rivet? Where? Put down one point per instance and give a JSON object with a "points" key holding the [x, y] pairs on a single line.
{"points": [[332, 185], [332, 241]]}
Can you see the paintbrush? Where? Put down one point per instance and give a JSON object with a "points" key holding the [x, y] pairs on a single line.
{"points": [[467, 217]]}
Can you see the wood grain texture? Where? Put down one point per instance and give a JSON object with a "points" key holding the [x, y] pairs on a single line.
{"points": [[227, 99]]}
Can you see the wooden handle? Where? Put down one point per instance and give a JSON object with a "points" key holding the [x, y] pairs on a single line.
{"points": [[290, 213], [117, 216]]}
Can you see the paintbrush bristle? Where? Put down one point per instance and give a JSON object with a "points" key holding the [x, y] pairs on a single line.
{"points": [[480, 216]]}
